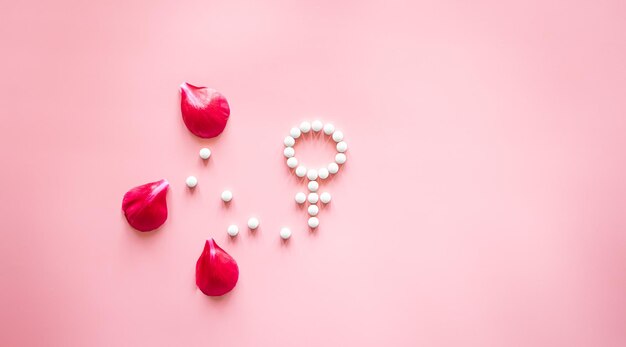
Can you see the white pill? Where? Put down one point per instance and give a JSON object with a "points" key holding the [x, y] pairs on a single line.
{"points": [[285, 233], [314, 222], [311, 174], [289, 152], [313, 198], [295, 132], [301, 171], [227, 196], [205, 153], [305, 127], [317, 125], [338, 136], [329, 128], [342, 146], [333, 168], [323, 173], [313, 210], [313, 186], [340, 158], [253, 223], [300, 198], [233, 230], [191, 181], [325, 197], [289, 141], [292, 162]]}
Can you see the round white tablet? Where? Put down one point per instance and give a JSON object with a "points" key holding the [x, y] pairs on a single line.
{"points": [[205, 153], [342, 146], [285, 233], [301, 171], [289, 152], [325, 197], [311, 174], [313, 210], [329, 128], [305, 127], [323, 173], [338, 136], [295, 132], [191, 181], [253, 223], [289, 141], [300, 198], [313, 186], [340, 158], [292, 162], [333, 168], [314, 222], [313, 198], [317, 125], [227, 195], [233, 230]]}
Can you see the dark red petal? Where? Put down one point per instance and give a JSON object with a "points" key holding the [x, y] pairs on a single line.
{"points": [[205, 111], [216, 271], [145, 207]]}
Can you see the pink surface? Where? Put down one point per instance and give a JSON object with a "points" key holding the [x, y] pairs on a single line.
{"points": [[483, 202]]}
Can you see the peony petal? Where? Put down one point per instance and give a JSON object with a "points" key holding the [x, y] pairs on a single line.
{"points": [[205, 111], [145, 207], [216, 271]]}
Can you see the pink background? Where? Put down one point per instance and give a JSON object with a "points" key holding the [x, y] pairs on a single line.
{"points": [[483, 202]]}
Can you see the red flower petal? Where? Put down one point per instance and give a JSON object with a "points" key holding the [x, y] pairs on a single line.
{"points": [[205, 111], [145, 207], [216, 271]]}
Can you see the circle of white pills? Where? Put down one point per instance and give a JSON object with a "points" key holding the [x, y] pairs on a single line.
{"points": [[313, 210], [340, 158], [313, 198], [325, 197], [313, 186], [232, 230], [205, 153], [292, 162], [227, 196], [253, 223], [285, 233], [300, 198], [314, 222], [289, 152], [191, 181]]}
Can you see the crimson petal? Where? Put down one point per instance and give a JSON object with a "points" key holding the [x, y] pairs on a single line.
{"points": [[205, 111], [145, 206], [216, 271]]}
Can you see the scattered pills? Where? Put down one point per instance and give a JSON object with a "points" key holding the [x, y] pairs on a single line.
{"points": [[313, 198], [313, 186], [305, 127], [289, 141], [313, 210], [191, 181], [289, 152], [314, 222], [329, 128], [325, 197], [285, 233], [338, 136], [333, 168], [253, 223], [340, 158], [311, 174], [233, 230], [317, 125], [205, 153], [295, 132], [342, 146], [323, 173], [292, 162], [301, 171], [227, 196], [300, 198]]}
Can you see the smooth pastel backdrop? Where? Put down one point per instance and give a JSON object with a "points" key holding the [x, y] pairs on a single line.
{"points": [[483, 202]]}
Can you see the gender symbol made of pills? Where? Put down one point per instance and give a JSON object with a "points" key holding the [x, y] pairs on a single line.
{"points": [[314, 174]]}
